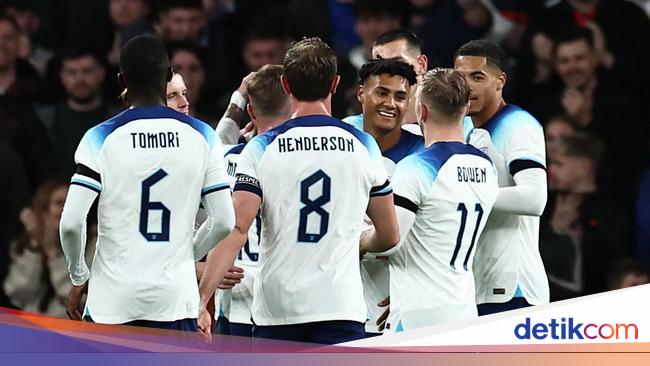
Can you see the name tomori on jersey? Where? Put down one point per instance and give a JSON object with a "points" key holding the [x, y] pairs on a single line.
{"points": [[332, 143], [471, 174], [148, 140]]}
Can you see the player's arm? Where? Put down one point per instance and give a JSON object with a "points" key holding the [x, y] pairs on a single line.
{"points": [[527, 196], [222, 257], [385, 233], [525, 155], [228, 128], [72, 230], [219, 222]]}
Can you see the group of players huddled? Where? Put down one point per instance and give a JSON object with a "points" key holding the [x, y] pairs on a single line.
{"points": [[422, 210]]}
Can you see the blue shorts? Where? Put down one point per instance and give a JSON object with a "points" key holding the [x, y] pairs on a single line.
{"points": [[326, 332], [188, 325], [224, 326], [493, 308]]}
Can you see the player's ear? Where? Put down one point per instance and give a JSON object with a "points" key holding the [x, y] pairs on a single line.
{"points": [[423, 61], [501, 81], [360, 94], [285, 84], [335, 84], [421, 112], [251, 112]]}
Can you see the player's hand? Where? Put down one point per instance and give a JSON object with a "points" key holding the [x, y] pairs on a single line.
{"points": [[73, 304], [243, 87], [204, 323], [249, 131], [381, 321], [233, 277]]}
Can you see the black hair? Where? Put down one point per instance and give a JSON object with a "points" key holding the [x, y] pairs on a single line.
{"points": [[483, 48], [175, 4], [82, 50], [199, 51], [388, 66], [144, 63], [574, 34], [412, 41]]}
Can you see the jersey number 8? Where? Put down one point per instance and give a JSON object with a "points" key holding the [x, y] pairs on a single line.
{"points": [[314, 206]]}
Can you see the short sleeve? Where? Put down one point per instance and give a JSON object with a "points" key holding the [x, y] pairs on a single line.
{"points": [[87, 173], [247, 168], [378, 176], [216, 177], [409, 183], [526, 146]]}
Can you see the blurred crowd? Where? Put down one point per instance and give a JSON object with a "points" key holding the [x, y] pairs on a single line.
{"points": [[581, 67]]}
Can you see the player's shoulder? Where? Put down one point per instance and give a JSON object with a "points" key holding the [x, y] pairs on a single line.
{"points": [[439, 153], [512, 116], [98, 134], [233, 149], [260, 142], [355, 120]]}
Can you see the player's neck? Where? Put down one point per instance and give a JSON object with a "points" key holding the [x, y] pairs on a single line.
{"points": [[409, 116], [436, 132], [301, 108], [385, 139], [265, 124], [488, 112], [145, 101]]}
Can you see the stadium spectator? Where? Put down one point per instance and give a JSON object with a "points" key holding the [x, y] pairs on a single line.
{"points": [[596, 103], [625, 273], [558, 127], [38, 277], [28, 21], [374, 18], [190, 61], [19, 127], [643, 221], [582, 230], [129, 18], [181, 20], [82, 76], [468, 18]]}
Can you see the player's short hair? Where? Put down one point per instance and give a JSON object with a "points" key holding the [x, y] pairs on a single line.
{"points": [[144, 63], [266, 93], [580, 145], [492, 52], [445, 91], [383, 9], [412, 41], [310, 68], [388, 66], [573, 34]]}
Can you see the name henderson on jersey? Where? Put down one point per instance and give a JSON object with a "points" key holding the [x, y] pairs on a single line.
{"points": [[332, 143], [471, 174], [146, 140]]}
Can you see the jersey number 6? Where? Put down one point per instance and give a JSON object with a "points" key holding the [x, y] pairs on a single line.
{"points": [[146, 206]]}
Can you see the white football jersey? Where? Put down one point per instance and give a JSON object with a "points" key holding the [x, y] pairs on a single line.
{"points": [[508, 262], [150, 166], [237, 302], [374, 271], [315, 175], [451, 188]]}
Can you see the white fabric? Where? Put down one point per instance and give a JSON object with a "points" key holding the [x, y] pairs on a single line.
{"points": [[154, 164], [298, 281], [507, 257], [72, 230], [431, 278], [228, 131]]}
